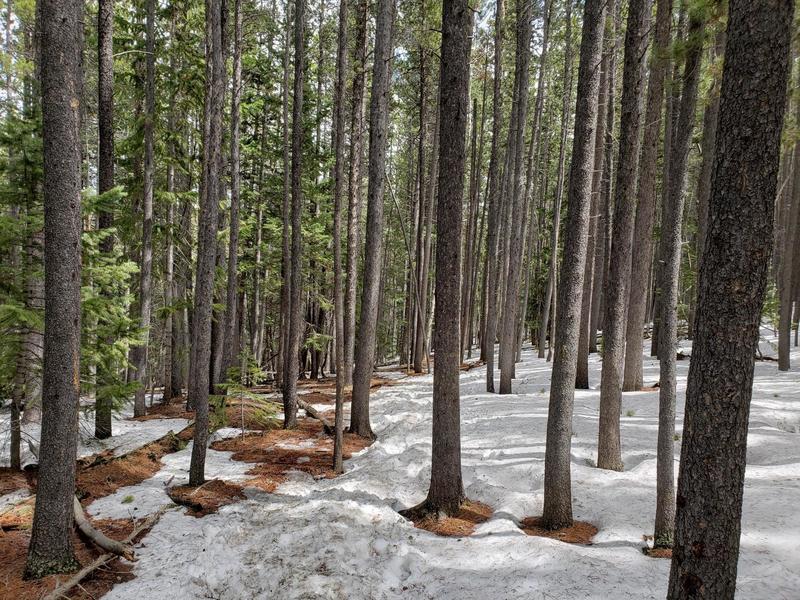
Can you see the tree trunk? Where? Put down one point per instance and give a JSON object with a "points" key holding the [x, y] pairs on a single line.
{"points": [[232, 291], [286, 284], [710, 117], [354, 187], [552, 273], [636, 40], [494, 200], [61, 27], [671, 220], [146, 264], [733, 277], [557, 481], [296, 282], [593, 249], [446, 490], [207, 235], [339, 182], [517, 198], [645, 210], [378, 130]]}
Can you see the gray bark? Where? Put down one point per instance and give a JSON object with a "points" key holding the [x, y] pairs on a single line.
{"points": [[672, 217], [636, 41], [378, 130], [61, 30], [146, 263], [295, 308], [733, 277], [207, 234], [557, 480], [646, 208], [516, 196]]}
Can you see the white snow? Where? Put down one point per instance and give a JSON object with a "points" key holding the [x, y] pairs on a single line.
{"points": [[342, 538], [127, 434]]}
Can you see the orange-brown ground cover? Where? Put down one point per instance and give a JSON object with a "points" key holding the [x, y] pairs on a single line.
{"points": [[275, 453], [205, 499], [580, 532], [471, 514]]}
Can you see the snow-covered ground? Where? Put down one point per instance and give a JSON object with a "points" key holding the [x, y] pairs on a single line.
{"points": [[342, 538], [127, 434]]}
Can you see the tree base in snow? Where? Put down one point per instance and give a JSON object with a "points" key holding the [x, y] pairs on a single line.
{"points": [[579, 532], [463, 523]]}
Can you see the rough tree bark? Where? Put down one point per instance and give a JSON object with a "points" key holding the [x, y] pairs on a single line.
{"points": [[636, 40], [733, 279], [378, 130], [493, 225], [354, 187], [446, 490], [671, 220], [232, 292], [646, 208], [61, 30], [146, 264], [105, 175], [552, 273], [517, 208], [557, 480], [294, 334], [338, 194], [206, 235]]}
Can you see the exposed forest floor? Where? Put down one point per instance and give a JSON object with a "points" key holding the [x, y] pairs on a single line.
{"points": [[273, 523]]}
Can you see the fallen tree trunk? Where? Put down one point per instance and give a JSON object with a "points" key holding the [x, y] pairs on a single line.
{"points": [[97, 536], [313, 412], [61, 590]]}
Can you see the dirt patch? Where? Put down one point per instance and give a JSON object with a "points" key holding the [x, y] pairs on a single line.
{"points": [[102, 475], [13, 552], [11, 481], [207, 498], [174, 409], [472, 365], [658, 552], [470, 515], [306, 448], [579, 533]]}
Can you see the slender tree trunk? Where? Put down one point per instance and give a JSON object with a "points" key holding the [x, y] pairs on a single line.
{"points": [[146, 264], [733, 277], [446, 490], [642, 255], [339, 115], [105, 178], [608, 447], [286, 284], [593, 248], [605, 220], [553, 271], [354, 187], [518, 207], [672, 217], [207, 234], [232, 296], [61, 27], [296, 282], [557, 480], [710, 117], [494, 200], [378, 131]]}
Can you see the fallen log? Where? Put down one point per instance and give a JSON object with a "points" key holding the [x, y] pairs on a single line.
{"points": [[313, 412], [96, 536], [61, 590]]}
